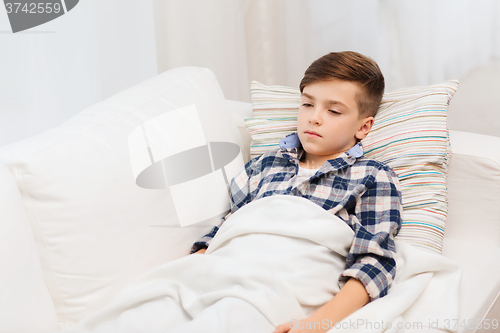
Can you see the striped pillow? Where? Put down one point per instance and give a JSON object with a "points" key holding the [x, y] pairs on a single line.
{"points": [[275, 111], [410, 134]]}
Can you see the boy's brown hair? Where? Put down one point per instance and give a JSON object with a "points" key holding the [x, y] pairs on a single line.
{"points": [[354, 67]]}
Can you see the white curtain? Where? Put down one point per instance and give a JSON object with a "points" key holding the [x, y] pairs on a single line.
{"points": [[51, 72], [414, 42], [207, 34]]}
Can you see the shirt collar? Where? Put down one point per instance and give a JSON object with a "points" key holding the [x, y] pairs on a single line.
{"points": [[291, 148]]}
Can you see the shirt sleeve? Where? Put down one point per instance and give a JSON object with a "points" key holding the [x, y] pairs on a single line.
{"points": [[242, 186], [204, 241], [372, 257]]}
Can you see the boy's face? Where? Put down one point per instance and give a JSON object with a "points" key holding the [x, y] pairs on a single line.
{"points": [[329, 108]]}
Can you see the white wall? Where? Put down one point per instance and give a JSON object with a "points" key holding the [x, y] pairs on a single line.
{"points": [[53, 71]]}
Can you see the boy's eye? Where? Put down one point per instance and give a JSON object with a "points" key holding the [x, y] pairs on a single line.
{"points": [[307, 105], [333, 111]]}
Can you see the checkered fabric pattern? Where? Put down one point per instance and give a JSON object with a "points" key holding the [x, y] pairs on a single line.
{"points": [[362, 192]]}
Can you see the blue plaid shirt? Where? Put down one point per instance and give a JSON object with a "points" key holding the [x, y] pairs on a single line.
{"points": [[362, 192]]}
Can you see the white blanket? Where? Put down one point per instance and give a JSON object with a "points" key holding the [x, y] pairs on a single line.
{"points": [[277, 259]]}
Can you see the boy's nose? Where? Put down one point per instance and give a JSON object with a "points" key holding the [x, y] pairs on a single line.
{"points": [[315, 116]]}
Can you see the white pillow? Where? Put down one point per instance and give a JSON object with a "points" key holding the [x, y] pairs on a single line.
{"points": [[96, 230], [410, 134], [25, 302]]}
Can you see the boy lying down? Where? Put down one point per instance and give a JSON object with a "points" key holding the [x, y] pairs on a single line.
{"points": [[323, 162], [309, 239]]}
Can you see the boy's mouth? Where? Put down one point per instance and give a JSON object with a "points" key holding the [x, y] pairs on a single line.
{"points": [[312, 134]]}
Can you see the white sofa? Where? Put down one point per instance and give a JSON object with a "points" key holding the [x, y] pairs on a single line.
{"points": [[76, 229]]}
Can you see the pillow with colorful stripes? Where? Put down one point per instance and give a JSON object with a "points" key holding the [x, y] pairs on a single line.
{"points": [[410, 134]]}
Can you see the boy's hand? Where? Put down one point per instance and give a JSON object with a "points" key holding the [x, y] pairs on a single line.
{"points": [[200, 251], [302, 326]]}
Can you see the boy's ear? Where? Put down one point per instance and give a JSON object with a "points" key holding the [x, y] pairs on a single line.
{"points": [[366, 126]]}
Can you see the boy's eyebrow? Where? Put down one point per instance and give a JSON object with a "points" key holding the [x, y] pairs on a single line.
{"points": [[329, 102]]}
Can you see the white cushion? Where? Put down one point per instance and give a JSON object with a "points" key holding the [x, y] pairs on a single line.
{"points": [[25, 303], [96, 230], [240, 111]]}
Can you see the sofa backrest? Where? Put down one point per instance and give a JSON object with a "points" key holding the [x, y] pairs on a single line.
{"points": [[474, 188], [99, 189]]}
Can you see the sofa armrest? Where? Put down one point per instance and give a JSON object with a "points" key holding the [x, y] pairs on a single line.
{"points": [[472, 235], [474, 188]]}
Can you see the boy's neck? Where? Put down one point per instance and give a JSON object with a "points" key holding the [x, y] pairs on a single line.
{"points": [[313, 164]]}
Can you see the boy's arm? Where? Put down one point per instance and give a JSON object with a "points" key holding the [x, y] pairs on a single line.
{"points": [[241, 188], [204, 241], [372, 257], [351, 297]]}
